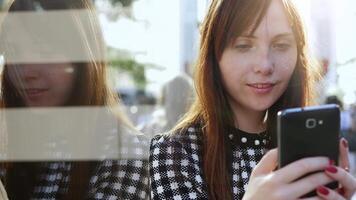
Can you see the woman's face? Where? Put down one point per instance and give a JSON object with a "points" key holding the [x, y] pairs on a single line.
{"points": [[256, 68], [43, 84]]}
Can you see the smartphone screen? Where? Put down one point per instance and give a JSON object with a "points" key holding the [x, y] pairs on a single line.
{"points": [[308, 132]]}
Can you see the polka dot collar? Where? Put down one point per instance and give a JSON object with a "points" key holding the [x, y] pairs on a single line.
{"points": [[242, 138]]}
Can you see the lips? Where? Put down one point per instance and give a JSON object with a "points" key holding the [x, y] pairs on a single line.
{"points": [[34, 92], [261, 85], [261, 88]]}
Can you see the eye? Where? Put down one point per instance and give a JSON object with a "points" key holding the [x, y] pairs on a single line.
{"points": [[243, 47], [281, 46]]}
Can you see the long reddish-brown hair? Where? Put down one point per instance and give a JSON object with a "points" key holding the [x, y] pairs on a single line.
{"points": [[225, 21]]}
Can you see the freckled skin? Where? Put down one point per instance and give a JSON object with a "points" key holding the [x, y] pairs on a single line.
{"points": [[269, 56], [43, 84]]}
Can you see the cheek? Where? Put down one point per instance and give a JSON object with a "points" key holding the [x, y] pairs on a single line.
{"points": [[69, 81], [232, 68], [286, 65], [63, 82]]}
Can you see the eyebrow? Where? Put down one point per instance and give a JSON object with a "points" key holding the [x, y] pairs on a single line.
{"points": [[278, 36]]}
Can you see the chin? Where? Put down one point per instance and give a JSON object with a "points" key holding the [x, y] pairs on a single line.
{"points": [[261, 106]]}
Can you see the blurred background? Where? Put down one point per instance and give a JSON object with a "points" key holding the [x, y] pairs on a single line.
{"points": [[152, 46]]}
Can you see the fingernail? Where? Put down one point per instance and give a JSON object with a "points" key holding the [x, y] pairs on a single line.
{"points": [[342, 191], [323, 190], [331, 169], [331, 162], [347, 169], [345, 143]]}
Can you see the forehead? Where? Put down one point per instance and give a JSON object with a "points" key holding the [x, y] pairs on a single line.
{"points": [[274, 22]]}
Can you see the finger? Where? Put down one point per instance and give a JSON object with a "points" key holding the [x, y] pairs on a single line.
{"points": [[327, 194], [344, 154], [312, 198], [308, 184], [267, 164], [299, 168], [347, 181]]}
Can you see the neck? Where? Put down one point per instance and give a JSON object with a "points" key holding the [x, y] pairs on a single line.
{"points": [[248, 120]]}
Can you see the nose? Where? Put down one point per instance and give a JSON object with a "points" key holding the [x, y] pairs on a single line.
{"points": [[264, 62], [30, 72]]}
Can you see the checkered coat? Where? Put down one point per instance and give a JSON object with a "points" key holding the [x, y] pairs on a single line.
{"points": [[176, 170]]}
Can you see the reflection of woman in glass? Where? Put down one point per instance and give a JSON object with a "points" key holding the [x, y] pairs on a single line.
{"points": [[252, 63], [66, 80]]}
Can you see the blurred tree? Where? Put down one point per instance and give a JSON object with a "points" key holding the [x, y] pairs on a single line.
{"points": [[135, 69]]}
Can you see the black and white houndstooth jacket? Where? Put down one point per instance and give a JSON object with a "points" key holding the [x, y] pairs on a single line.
{"points": [[176, 163]]}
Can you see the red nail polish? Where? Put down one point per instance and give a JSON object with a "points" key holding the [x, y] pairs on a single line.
{"points": [[323, 190], [331, 162], [331, 169], [345, 143], [342, 191]]}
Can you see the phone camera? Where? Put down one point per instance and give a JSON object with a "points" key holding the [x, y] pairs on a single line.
{"points": [[311, 123]]}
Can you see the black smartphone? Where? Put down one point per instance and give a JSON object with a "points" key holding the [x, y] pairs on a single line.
{"points": [[308, 132]]}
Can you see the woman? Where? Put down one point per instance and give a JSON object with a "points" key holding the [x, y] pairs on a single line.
{"points": [[252, 63], [70, 79]]}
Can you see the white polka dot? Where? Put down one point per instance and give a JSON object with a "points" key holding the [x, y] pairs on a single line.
{"points": [[117, 186], [191, 129], [177, 197], [231, 136], [244, 175], [159, 189], [243, 140], [169, 162], [169, 150], [138, 163], [235, 190], [136, 176], [242, 163], [198, 179], [257, 142], [195, 156], [105, 184], [234, 177], [252, 164], [157, 176], [170, 174], [250, 152], [156, 151], [188, 184], [192, 195], [174, 185], [155, 163], [112, 197], [184, 162], [143, 195], [132, 190], [193, 137], [99, 195], [121, 174]]}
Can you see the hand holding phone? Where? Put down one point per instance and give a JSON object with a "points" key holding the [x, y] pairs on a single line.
{"points": [[308, 132]]}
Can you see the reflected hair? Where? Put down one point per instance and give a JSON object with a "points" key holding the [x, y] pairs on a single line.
{"points": [[90, 86]]}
